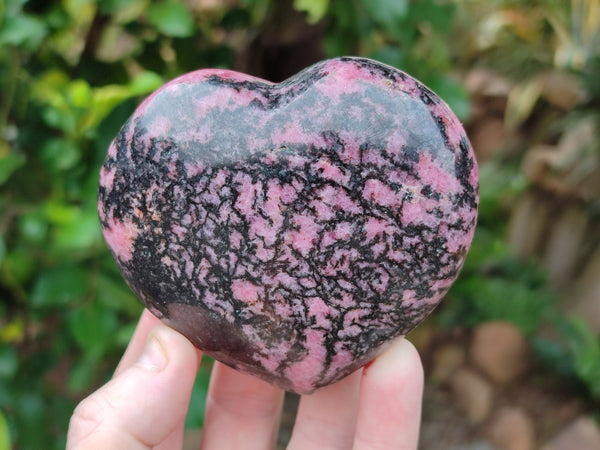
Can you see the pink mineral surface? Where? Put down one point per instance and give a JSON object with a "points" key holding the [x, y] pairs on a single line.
{"points": [[291, 230]]}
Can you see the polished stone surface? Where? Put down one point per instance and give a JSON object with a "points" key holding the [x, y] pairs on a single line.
{"points": [[291, 230]]}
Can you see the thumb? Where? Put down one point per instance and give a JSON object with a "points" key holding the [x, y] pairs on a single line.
{"points": [[145, 405]]}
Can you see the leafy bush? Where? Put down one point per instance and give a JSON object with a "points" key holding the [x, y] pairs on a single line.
{"points": [[494, 285], [66, 312], [525, 41]]}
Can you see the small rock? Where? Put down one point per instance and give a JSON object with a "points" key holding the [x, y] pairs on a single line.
{"points": [[473, 394], [446, 360], [512, 429], [562, 90], [581, 434], [500, 350]]}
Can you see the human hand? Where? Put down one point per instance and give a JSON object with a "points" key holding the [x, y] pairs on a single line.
{"points": [[145, 403]]}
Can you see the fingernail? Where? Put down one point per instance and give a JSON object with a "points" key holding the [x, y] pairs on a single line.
{"points": [[153, 356]]}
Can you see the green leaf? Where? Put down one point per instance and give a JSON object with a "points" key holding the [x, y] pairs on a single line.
{"points": [[61, 119], [488, 299], [60, 154], [554, 354], [49, 90], [107, 98], [49, 87], [4, 433], [9, 362], [115, 295], [388, 13], [17, 267], [315, 9], [501, 185], [93, 327], [171, 18], [33, 227], [81, 233], [440, 14], [9, 163], [486, 249], [84, 371], [23, 30], [32, 416], [79, 93], [124, 335], [79, 8], [585, 348], [12, 7], [59, 286], [389, 55], [145, 83], [61, 213]]}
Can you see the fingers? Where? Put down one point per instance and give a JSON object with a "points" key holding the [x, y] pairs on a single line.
{"points": [[241, 411], [327, 418], [391, 392], [145, 405], [138, 340], [378, 407]]}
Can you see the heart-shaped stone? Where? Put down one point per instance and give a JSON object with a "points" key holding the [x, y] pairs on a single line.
{"points": [[291, 230]]}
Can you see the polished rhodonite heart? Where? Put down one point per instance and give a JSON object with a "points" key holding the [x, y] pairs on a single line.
{"points": [[291, 230]]}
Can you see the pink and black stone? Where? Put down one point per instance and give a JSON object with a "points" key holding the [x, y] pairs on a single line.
{"points": [[291, 230]]}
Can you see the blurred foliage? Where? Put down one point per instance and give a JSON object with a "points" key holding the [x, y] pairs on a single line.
{"points": [[66, 312], [575, 355], [495, 285], [527, 41], [5, 443], [411, 35], [71, 73]]}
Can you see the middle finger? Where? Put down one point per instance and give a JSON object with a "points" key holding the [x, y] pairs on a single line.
{"points": [[327, 418], [241, 411]]}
